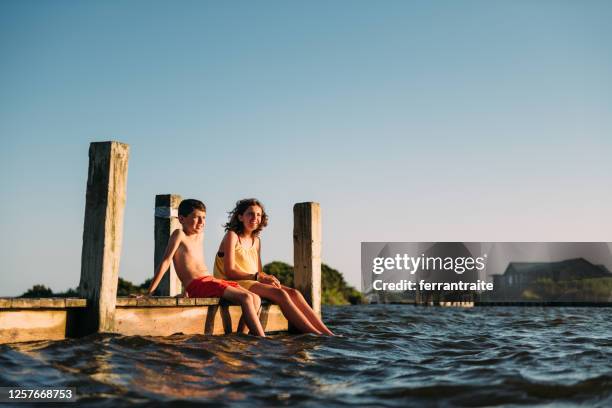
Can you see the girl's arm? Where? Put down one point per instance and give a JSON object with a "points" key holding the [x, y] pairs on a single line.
{"points": [[173, 244], [229, 260], [258, 247]]}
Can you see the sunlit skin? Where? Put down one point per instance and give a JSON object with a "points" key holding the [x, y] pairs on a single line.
{"points": [[293, 305], [185, 251]]}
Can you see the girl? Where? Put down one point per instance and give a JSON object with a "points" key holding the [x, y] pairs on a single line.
{"points": [[239, 259]]}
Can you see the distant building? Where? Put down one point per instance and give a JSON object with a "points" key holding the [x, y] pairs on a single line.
{"points": [[519, 276]]}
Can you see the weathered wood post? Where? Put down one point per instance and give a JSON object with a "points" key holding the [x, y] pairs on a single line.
{"points": [[166, 221], [103, 232], [307, 252]]}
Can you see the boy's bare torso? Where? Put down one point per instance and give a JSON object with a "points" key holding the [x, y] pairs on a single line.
{"points": [[189, 258]]}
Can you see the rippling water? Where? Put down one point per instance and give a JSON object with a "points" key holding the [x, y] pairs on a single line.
{"points": [[384, 355]]}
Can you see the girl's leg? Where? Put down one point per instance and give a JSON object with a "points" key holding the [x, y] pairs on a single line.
{"points": [[289, 309], [256, 301], [298, 299], [249, 313]]}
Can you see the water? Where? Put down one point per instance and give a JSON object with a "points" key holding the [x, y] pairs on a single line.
{"points": [[385, 355]]}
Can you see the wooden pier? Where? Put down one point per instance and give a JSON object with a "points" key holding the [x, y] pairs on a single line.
{"points": [[100, 311]]}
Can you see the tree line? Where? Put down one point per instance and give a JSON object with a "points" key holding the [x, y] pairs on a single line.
{"points": [[334, 289]]}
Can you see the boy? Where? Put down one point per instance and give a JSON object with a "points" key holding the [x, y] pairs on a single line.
{"points": [[185, 250]]}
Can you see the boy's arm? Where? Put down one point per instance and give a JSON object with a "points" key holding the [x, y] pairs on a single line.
{"points": [[173, 244]]}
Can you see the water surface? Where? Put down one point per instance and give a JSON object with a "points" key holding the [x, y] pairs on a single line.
{"points": [[384, 355]]}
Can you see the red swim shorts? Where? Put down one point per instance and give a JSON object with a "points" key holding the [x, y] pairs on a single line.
{"points": [[207, 286]]}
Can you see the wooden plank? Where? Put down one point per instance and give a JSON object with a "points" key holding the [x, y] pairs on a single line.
{"points": [[30, 325], [25, 303], [165, 301], [103, 231], [162, 321], [207, 301], [183, 301], [53, 303], [156, 301], [216, 320], [166, 221], [76, 302], [307, 252], [126, 301], [50, 324]]}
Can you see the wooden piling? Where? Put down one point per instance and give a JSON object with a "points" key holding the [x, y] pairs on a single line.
{"points": [[307, 252], [166, 221], [103, 233]]}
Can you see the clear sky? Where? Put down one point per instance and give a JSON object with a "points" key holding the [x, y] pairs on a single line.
{"points": [[406, 120]]}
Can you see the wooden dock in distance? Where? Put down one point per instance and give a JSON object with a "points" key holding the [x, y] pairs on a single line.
{"points": [[100, 311]]}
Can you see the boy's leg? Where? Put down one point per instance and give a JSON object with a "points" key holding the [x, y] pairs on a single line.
{"points": [[289, 309], [297, 298], [256, 300], [242, 297], [242, 328]]}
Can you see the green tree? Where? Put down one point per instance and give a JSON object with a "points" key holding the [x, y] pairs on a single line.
{"points": [[283, 271], [126, 288], [334, 289], [37, 291], [70, 293]]}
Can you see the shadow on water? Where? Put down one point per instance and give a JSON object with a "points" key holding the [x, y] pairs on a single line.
{"points": [[384, 355]]}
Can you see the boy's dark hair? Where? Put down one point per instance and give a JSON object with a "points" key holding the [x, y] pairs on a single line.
{"points": [[187, 206], [241, 206]]}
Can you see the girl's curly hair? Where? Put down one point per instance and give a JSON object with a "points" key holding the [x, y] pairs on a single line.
{"points": [[234, 223]]}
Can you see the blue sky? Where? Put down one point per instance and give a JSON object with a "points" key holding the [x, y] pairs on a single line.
{"points": [[407, 121]]}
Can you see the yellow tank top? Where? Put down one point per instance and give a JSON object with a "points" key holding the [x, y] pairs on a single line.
{"points": [[245, 260]]}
